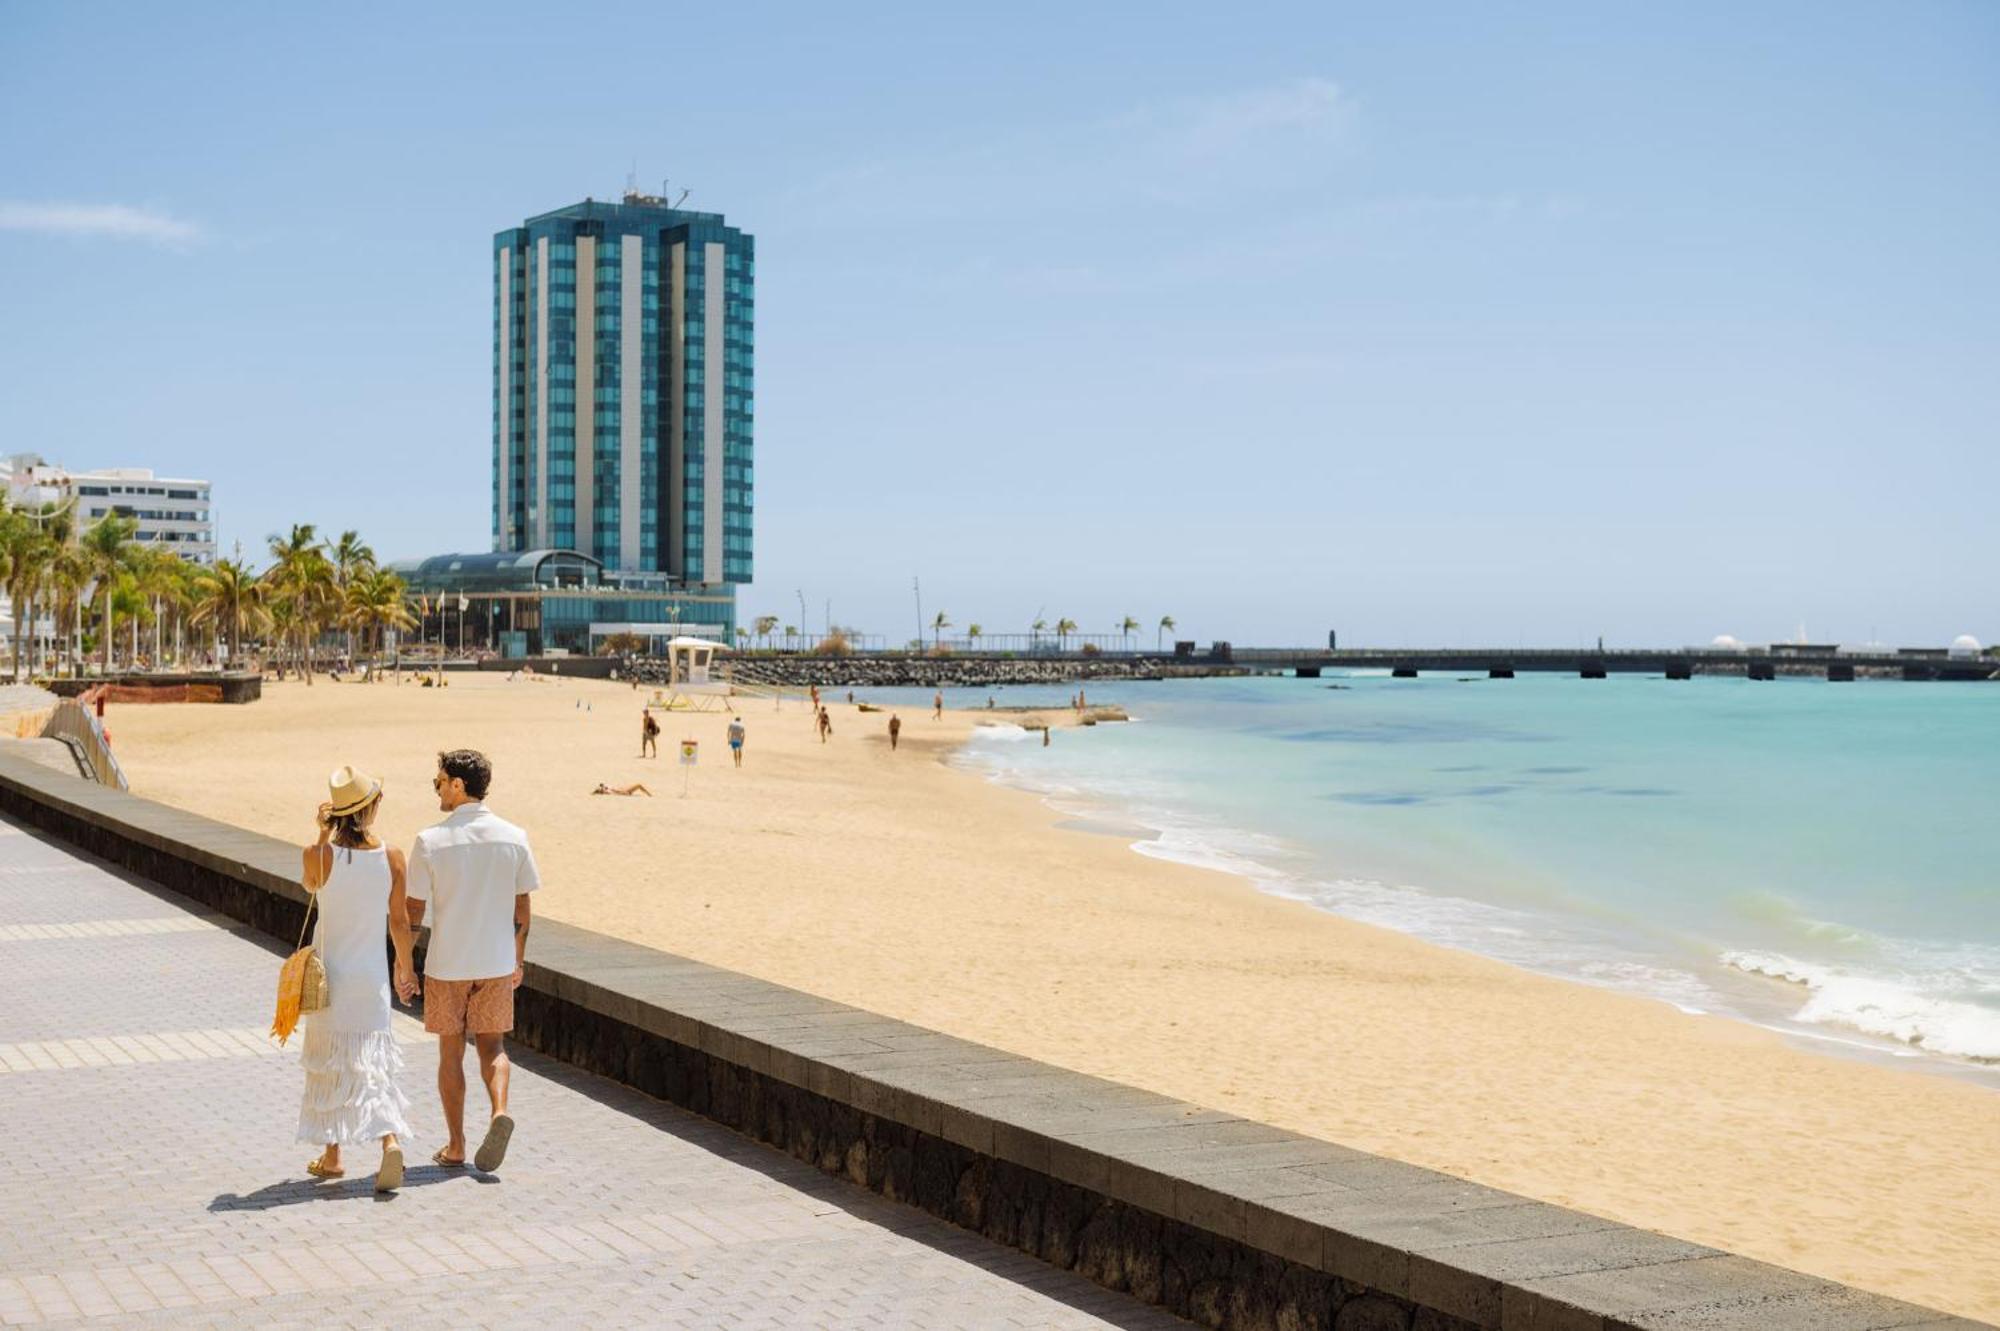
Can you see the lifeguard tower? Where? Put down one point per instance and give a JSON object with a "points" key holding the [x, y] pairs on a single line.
{"points": [[690, 683]]}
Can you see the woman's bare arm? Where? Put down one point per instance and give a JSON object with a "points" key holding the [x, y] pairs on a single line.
{"points": [[318, 863], [318, 859], [399, 925]]}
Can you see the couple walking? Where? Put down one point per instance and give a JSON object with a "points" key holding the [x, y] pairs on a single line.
{"points": [[474, 871]]}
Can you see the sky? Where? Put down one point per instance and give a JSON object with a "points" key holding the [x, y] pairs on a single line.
{"points": [[1452, 324]]}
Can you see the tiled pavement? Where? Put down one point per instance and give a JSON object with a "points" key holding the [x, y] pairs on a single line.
{"points": [[148, 1174]]}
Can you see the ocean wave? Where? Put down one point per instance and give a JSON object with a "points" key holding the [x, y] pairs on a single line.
{"points": [[1883, 1007], [1536, 942], [1774, 913], [999, 732]]}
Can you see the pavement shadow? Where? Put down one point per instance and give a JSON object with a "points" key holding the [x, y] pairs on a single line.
{"points": [[1111, 1307], [353, 1188]]}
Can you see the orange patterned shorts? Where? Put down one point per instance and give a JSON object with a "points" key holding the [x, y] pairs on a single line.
{"points": [[484, 1007]]}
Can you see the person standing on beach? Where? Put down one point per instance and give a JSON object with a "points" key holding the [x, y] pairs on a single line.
{"points": [[736, 740], [895, 730], [937, 705], [649, 735], [825, 725], [479, 870]]}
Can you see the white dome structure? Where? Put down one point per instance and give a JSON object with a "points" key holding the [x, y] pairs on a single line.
{"points": [[1964, 647], [1726, 642]]}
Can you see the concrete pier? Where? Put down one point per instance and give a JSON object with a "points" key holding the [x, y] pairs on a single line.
{"points": [[1587, 663]]}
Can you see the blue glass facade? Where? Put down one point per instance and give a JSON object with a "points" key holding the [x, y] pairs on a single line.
{"points": [[623, 398]]}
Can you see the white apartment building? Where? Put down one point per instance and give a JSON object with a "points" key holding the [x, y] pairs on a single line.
{"points": [[172, 514]]}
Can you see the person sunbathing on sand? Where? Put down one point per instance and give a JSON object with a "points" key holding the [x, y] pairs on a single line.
{"points": [[634, 789]]}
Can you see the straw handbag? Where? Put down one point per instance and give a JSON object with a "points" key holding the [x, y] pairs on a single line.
{"points": [[301, 982]]}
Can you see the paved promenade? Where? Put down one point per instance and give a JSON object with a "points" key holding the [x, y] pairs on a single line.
{"points": [[148, 1176]]}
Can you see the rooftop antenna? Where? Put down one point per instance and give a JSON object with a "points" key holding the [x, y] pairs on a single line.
{"points": [[666, 189]]}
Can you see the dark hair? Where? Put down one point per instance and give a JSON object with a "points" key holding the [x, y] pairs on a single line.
{"points": [[469, 766]]}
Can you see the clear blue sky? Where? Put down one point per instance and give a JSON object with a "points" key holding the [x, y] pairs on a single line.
{"points": [[1439, 323]]}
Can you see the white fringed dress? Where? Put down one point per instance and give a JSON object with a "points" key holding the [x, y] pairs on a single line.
{"points": [[351, 1058]]}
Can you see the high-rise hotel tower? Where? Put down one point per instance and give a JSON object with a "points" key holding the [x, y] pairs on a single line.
{"points": [[622, 404]]}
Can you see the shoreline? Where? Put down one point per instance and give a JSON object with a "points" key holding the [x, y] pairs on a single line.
{"points": [[1776, 996], [904, 884]]}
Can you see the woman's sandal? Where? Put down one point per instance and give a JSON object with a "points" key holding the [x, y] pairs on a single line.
{"points": [[390, 1176], [318, 1170], [441, 1159]]}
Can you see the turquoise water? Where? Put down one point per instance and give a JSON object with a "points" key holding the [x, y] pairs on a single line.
{"points": [[1818, 857]]}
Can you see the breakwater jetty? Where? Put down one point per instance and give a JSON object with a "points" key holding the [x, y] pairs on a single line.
{"points": [[1828, 662], [983, 670], [956, 671]]}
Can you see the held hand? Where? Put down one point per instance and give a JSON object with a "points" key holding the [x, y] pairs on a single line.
{"points": [[406, 984]]}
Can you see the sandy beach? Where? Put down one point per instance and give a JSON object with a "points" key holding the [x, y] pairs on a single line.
{"points": [[895, 883]]}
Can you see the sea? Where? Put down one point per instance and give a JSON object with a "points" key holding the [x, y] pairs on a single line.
{"points": [[1819, 858]]}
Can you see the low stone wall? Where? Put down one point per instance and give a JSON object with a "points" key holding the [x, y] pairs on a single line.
{"points": [[1222, 1220], [231, 686]]}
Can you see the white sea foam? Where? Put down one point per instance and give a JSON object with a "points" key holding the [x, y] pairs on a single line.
{"points": [[1532, 941], [1000, 732], [1874, 1005]]}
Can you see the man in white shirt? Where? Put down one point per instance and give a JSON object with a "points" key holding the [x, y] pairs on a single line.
{"points": [[477, 870]]}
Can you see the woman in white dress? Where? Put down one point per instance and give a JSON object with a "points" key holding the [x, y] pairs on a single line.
{"points": [[351, 1058]]}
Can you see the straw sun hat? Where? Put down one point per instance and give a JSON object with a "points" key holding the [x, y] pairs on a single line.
{"points": [[352, 791]]}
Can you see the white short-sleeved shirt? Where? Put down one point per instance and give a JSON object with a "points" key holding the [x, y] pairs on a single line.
{"points": [[470, 867]]}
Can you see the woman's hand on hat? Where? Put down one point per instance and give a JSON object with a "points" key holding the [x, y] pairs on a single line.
{"points": [[324, 816]]}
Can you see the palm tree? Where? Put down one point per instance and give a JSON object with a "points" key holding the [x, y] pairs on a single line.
{"points": [[132, 607], [159, 577], [1126, 627], [106, 546], [37, 558], [226, 596], [765, 625], [68, 578], [1064, 627], [938, 626], [25, 554], [351, 558], [282, 614], [301, 576], [1167, 626], [973, 631], [376, 600]]}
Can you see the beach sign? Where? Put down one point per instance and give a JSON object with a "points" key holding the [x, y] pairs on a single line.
{"points": [[688, 748]]}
